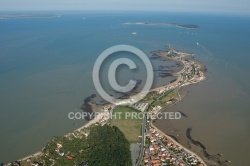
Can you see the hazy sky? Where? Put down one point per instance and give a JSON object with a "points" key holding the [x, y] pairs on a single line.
{"points": [[230, 6]]}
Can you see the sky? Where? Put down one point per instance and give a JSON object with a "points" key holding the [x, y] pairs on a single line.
{"points": [[224, 6]]}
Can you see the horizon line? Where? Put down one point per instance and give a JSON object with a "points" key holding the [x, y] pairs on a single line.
{"points": [[122, 11]]}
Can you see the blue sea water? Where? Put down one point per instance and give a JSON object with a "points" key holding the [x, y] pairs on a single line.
{"points": [[46, 72]]}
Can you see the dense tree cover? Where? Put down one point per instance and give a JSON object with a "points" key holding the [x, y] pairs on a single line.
{"points": [[104, 146], [108, 146], [74, 147]]}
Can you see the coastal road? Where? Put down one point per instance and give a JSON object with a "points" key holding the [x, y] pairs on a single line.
{"points": [[143, 140]]}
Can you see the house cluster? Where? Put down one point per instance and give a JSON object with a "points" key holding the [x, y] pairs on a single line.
{"points": [[67, 156], [155, 109], [192, 72], [107, 107], [162, 90], [125, 102], [162, 151], [169, 87], [158, 155], [189, 74], [104, 117], [140, 106]]}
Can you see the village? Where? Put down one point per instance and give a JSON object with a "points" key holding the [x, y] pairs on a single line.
{"points": [[160, 151]]}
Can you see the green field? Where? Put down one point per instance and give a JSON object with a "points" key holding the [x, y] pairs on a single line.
{"points": [[173, 94], [130, 126], [151, 96]]}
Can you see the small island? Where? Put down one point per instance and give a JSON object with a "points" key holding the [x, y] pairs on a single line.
{"points": [[180, 25], [188, 26]]}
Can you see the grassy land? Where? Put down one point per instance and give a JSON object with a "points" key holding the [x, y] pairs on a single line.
{"points": [[173, 94], [151, 96], [130, 126]]}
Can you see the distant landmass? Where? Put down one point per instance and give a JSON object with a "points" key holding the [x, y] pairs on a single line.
{"points": [[36, 15], [188, 26]]}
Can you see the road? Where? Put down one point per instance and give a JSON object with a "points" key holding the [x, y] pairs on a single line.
{"points": [[142, 141]]}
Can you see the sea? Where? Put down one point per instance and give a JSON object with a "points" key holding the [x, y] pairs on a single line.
{"points": [[46, 72]]}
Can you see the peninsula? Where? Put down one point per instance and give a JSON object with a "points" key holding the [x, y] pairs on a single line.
{"points": [[156, 148]]}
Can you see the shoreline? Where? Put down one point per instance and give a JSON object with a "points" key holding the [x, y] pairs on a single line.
{"points": [[177, 143], [172, 85], [195, 146], [89, 123], [181, 82]]}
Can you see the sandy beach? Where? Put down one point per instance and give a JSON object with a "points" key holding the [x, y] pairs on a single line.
{"points": [[93, 121]]}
